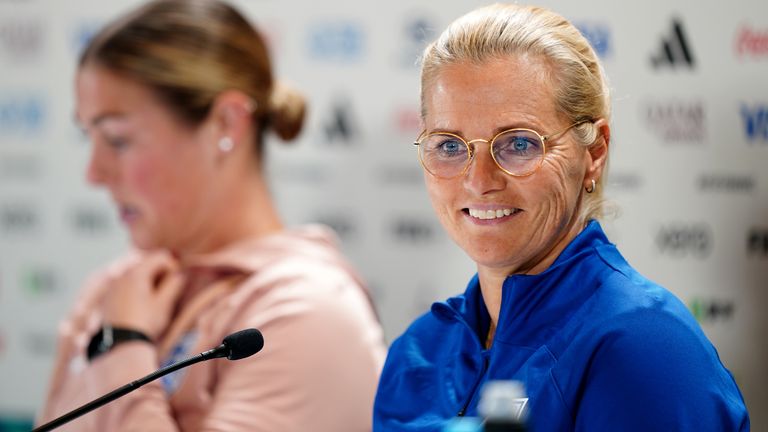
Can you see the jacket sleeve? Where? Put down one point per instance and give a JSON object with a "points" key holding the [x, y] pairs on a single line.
{"points": [[75, 382], [318, 369], [144, 409], [656, 372]]}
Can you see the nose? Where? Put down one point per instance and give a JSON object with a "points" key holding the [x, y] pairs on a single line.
{"points": [[484, 175], [97, 170]]}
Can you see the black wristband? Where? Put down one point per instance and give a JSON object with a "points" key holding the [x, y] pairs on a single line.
{"points": [[108, 337]]}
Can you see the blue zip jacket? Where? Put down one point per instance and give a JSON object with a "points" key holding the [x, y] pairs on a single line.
{"points": [[597, 346]]}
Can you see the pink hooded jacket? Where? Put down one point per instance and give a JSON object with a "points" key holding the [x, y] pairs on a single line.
{"points": [[318, 371]]}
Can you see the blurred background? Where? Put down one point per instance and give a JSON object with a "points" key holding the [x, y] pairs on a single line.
{"points": [[687, 174]]}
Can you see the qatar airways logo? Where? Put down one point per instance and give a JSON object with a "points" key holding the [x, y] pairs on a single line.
{"points": [[752, 43], [676, 121]]}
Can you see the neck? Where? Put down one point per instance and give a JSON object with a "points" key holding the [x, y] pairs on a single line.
{"points": [[492, 278], [247, 211]]}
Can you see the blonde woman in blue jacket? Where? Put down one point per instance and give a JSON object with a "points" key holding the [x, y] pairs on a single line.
{"points": [[516, 137]]}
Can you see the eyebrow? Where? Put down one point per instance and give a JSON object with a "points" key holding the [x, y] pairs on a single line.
{"points": [[101, 118], [496, 131]]}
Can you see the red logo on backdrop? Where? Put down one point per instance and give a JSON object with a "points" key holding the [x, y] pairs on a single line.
{"points": [[407, 120], [752, 42]]}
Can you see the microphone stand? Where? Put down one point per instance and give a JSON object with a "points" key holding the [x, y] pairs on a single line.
{"points": [[220, 351]]}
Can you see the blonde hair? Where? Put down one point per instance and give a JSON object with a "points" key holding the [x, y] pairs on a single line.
{"points": [[502, 30], [190, 51]]}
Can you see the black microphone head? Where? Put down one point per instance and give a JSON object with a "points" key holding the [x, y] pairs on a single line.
{"points": [[244, 343]]}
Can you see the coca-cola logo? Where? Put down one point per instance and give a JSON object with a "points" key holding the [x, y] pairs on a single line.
{"points": [[751, 42]]}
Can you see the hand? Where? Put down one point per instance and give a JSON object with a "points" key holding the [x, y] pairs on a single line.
{"points": [[143, 296]]}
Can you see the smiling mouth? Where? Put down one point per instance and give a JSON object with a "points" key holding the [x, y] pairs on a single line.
{"points": [[490, 214]]}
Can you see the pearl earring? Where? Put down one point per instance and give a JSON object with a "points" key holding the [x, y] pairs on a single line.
{"points": [[226, 144]]}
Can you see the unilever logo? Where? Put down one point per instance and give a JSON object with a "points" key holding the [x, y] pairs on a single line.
{"points": [[599, 36], [21, 114], [755, 120], [337, 41]]}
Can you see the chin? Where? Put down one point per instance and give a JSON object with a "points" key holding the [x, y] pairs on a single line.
{"points": [[144, 242], [491, 258]]}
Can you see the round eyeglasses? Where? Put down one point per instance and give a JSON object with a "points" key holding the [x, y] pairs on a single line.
{"points": [[518, 152]]}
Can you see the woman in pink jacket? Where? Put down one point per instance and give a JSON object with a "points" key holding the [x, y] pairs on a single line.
{"points": [[176, 98]]}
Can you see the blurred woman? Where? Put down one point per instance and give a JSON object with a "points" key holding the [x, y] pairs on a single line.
{"points": [[516, 138], [177, 97]]}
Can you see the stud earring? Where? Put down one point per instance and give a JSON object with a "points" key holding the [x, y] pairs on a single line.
{"points": [[592, 189], [226, 144]]}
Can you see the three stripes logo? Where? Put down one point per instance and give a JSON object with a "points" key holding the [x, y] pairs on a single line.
{"points": [[675, 49]]}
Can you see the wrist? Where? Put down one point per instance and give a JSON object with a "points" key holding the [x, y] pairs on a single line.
{"points": [[108, 337]]}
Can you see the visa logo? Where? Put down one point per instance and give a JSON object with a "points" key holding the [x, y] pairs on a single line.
{"points": [[755, 122], [342, 41], [599, 36], [21, 115]]}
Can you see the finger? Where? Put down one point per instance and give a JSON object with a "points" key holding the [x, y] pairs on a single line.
{"points": [[171, 287], [155, 266]]}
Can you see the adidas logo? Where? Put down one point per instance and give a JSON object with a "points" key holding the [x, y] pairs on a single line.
{"points": [[675, 50]]}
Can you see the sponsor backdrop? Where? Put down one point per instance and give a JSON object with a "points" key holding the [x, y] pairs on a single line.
{"points": [[687, 177]]}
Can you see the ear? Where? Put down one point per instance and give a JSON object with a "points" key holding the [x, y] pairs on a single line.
{"points": [[232, 118], [598, 152]]}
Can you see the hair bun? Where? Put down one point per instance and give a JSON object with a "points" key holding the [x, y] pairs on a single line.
{"points": [[286, 111]]}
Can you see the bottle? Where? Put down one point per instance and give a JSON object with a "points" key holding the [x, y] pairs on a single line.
{"points": [[463, 424], [503, 406]]}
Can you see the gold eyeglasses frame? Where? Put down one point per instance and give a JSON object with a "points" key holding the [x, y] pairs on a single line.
{"points": [[471, 153]]}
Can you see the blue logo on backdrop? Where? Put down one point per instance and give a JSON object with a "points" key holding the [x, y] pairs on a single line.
{"points": [[83, 34], [21, 114], [755, 123], [417, 32], [599, 36], [336, 41]]}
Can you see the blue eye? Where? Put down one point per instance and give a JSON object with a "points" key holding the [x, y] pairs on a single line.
{"points": [[451, 146], [444, 147], [520, 144]]}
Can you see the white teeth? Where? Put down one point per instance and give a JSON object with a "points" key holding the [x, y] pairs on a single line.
{"points": [[490, 214]]}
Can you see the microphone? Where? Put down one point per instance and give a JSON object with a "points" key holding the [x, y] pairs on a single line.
{"points": [[236, 346]]}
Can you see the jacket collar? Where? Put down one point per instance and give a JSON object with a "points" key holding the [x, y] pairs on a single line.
{"points": [[533, 307]]}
